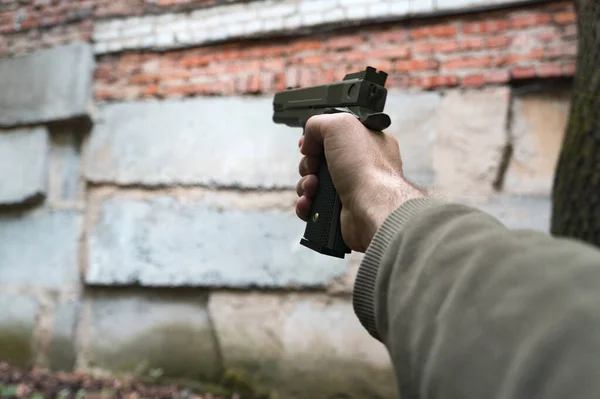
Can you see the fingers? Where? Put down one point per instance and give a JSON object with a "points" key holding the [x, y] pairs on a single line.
{"points": [[308, 165], [307, 186], [306, 190], [303, 208]]}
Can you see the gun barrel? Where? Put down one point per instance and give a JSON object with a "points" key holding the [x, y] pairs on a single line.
{"points": [[295, 106]]}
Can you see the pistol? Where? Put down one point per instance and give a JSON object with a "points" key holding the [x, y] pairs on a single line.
{"points": [[361, 94]]}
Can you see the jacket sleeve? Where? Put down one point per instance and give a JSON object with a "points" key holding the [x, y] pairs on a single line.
{"points": [[469, 309]]}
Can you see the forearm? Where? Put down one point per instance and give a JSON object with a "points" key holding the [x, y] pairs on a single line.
{"points": [[469, 309]]}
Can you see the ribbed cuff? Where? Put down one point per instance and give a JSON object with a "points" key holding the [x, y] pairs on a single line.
{"points": [[363, 296]]}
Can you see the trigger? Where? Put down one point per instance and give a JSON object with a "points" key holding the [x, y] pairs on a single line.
{"points": [[377, 122]]}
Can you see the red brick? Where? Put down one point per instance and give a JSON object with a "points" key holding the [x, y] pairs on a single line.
{"points": [[274, 51], [389, 36], [382, 65], [446, 47], [343, 42], [549, 37], [177, 90], [29, 23], [334, 58], [468, 62], [568, 4], [526, 21], [235, 54], [497, 42], [150, 91], [565, 18], [486, 27], [476, 80], [549, 70], [566, 50], [306, 78], [569, 69], [274, 64], [416, 65], [433, 31], [306, 45], [390, 53], [533, 55], [430, 82], [196, 61], [355, 56], [103, 94], [422, 48], [398, 81], [6, 18], [523, 73], [254, 83], [499, 76], [279, 81], [570, 32], [472, 43], [313, 60], [443, 30], [143, 78], [103, 72], [175, 74]]}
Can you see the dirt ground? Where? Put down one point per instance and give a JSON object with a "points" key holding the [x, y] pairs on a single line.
{"points": [[41, 384]]}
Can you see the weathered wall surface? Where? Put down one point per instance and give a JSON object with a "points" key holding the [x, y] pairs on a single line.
{"points": [[162, 235]]}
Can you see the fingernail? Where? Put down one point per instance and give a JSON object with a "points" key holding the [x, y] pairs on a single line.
{"points": [[304, 185]]}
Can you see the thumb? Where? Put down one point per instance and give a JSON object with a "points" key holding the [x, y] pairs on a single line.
{"points": [[320, 128], [313, 136]]}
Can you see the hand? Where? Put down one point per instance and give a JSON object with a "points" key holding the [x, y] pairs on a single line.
{"points": [[366, 169]]}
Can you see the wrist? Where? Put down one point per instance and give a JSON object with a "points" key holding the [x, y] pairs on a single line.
{"points": [[387, 198]]}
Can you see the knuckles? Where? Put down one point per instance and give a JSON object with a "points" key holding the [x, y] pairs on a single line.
{"points": [[332, 123]]}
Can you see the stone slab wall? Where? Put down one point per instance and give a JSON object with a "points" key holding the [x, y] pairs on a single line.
{"points": [[151, 225]]}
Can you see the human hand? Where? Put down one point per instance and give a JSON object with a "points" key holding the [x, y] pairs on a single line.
{"points": [[366, 169]]}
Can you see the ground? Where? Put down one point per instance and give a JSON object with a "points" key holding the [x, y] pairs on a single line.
{"points": [[41, 384]]}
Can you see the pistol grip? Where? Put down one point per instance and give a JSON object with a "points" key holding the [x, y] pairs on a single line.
{"points": [[323, 230]]}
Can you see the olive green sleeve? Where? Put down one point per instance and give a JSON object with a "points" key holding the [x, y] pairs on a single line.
{"points": [[469, 309]]}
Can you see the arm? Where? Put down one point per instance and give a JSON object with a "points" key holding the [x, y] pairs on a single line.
{"points": [[469, 309]]}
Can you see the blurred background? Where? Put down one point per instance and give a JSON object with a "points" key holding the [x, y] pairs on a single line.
{"points": [[147, 200]]}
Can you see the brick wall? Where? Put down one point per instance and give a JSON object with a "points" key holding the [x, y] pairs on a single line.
{"points": [[484, 49], [145, 188]]}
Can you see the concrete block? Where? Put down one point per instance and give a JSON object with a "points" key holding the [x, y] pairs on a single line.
{"points": [[39, 248], [421, 6], [18, 314], [276, 10], [46, 85], [62, 351], [162, 241], [316, 6], [23, 165], [471, 141], [142, 331], [272, 17], [466, 4], [194, 141], [65, 183], [303, 346], [538, 125], [530, 213], [400, 7], [413, 124]]}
